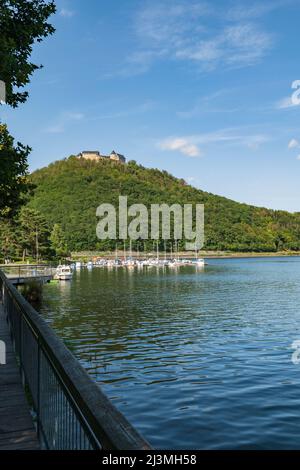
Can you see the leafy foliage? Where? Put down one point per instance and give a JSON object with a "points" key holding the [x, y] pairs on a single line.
{"points": [[13, 172], [58, 241], [34, 233], [9, 241], [69, 191], [29, 236], [22, 22]]}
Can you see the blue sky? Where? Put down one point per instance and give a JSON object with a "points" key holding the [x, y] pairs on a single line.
{"points": [[200, 89]]}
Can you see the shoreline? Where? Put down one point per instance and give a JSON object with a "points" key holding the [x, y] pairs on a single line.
{"points": [[91, 256], [202, 254]]}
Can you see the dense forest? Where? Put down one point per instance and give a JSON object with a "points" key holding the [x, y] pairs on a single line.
{"points": [[68, 192]]}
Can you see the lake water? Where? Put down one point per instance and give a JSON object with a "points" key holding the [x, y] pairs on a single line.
{"points": [[194, 359]]}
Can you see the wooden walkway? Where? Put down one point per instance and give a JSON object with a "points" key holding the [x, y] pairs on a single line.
{"points": [[16, 426]]}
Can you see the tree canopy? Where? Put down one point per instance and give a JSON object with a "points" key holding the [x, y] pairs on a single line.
{"points": [[69, 191], [34, 234], [58, 241], [13, 172], [22, 23]]}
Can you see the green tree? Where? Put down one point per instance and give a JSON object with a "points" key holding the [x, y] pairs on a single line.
{"points": [[9, 242], [35, 234], [13, 173], [58, 241], [22, 23], [68, 193]]}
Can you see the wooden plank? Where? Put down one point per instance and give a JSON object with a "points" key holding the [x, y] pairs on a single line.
{"points": [[20, 440], [16, 425]]}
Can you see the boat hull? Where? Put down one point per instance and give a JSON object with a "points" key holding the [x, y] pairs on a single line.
{"points": [[65, 277]]}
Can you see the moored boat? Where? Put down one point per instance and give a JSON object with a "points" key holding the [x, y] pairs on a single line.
{"points": [[200, 262], [63, 273]]}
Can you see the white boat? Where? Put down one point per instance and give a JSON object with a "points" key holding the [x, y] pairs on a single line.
{"points": [[78, 265], [129, 263], [111, 263], [173, 263], [63, 273], [185, 262], [200, 262]]}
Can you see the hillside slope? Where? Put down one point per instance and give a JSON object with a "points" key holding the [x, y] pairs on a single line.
{"points": [[69, 191]]}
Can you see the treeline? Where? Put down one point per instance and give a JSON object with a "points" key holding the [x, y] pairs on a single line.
{"points": [[28, 236], [69, 191]]}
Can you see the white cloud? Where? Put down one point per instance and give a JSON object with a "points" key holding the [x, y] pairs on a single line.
{"points": [[285, 103], [294, 144], [73, 116], [66, 118], [66, 13], [212, 103], [191, 179], [232, 136], [56, 129], [169, 21], [182, 145], [236, 46], [298, 158], [63, 121], [190, 145], [145, 107], [205, 35], [256, 10]]}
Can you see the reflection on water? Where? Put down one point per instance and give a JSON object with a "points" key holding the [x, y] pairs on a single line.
{"points": [[194, 359]]}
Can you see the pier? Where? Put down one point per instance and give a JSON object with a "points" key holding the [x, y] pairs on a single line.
{"points": [[20, 274], [71, 411]]}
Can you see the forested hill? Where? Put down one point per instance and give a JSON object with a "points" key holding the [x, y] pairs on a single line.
{"points": [[69, 191]]}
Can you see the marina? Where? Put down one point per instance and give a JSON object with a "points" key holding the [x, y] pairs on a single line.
{"points": [[152, 262]]}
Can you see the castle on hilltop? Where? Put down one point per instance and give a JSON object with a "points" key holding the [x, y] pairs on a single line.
{"points": [[96, 155]]}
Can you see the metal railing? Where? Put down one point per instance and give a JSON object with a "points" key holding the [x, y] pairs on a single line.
{"points": [[71, 410], [27, 271]]}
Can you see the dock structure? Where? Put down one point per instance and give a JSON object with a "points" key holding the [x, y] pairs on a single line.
{"points": [[19, 275], [71, 411], [17, 431]]}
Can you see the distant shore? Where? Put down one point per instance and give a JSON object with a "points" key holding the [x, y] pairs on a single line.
{"points": [[251, 254], [88, 255]]}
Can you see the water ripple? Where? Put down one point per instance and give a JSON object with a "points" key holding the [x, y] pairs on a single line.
{"points": [[193, 359]]}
